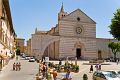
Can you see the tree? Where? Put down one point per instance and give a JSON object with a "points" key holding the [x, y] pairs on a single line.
{"points": [[115, 25], [115, 47], [17, 51]]}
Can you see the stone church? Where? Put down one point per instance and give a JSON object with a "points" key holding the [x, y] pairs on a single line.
{"points": [[73, 36]]}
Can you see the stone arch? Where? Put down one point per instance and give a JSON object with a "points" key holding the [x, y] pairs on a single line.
{"points": [[99, 53], [81, 47], [50, 39], [52, 50]]}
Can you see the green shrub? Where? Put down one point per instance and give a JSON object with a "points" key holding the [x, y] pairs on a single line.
{"points": [[77, 68], [85, 77]]}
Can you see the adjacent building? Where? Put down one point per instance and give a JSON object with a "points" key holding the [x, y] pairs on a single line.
{"points": [[25, 49], [29, 48], [73, 36], [20, 44], [7, 33]]}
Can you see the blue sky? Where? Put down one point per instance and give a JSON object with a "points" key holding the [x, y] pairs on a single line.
{"points": [[29, 14]]}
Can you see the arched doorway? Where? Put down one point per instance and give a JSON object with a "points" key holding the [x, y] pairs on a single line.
{"points": [[79, 49], [78, 53], [99, 54]]}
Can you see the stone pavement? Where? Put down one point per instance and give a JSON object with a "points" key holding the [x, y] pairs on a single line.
{"points": [[27, 72], [30, 69], [84, 69]]}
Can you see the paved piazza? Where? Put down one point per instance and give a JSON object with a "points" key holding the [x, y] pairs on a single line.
{"points": [[84, 69], [29, 69]]}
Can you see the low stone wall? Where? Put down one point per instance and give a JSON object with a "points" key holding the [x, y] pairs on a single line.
{"points": [[96, 61]]}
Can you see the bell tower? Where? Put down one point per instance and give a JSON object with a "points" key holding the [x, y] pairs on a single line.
{"points": [[61, 14]]}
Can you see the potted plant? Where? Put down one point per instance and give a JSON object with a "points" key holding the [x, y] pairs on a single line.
{"points": [[73, 68], [85, 77], [58, 68], [65, 68], [76, 68]]}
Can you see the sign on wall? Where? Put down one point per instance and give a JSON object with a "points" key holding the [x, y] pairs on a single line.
{"points": [[46, 59]]}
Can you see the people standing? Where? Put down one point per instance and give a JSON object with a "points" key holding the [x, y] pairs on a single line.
{"points": [[14, 66], [54, 73], [117, 61], [91, 68], [44, 69], [96, 66], [99, 66], [60, 62], [19, 66], [67, 76]]}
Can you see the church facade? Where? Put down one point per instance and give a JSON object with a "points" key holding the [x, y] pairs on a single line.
{"points": [[73, 36]]}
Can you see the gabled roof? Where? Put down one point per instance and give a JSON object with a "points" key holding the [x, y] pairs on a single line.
{"points": [[78, 10]]}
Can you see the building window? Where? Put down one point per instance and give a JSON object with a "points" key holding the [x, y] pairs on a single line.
{"points": [[78, 18]]}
